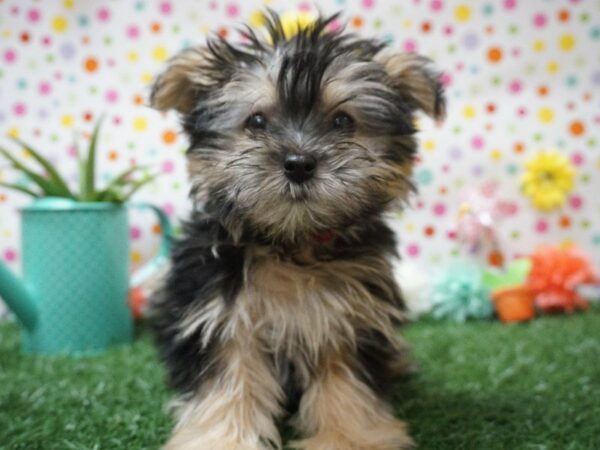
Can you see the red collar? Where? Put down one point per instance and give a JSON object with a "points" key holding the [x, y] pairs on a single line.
{"points": [[324, 237]]}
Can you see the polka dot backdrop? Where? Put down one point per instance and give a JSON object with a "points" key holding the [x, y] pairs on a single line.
{"points": [[522, 77]]}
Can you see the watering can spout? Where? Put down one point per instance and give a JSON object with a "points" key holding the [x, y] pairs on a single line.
{"points": [[18, 297]]}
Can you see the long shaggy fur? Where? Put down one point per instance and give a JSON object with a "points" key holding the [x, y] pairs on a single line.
{"points": [[281, 300]]}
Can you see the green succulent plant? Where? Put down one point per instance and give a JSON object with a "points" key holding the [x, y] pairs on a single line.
{"points": [[49, 183]]}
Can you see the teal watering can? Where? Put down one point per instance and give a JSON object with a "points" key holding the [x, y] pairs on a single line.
{"points": [[73, 295]]}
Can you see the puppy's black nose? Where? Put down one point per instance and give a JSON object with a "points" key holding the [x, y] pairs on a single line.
{"points": [[299, 167]]}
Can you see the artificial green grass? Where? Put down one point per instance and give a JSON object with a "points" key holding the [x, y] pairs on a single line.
{"points": [[481, 386]]}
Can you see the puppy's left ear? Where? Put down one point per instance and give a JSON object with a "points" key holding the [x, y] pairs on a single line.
{"points": [[416, 80]]}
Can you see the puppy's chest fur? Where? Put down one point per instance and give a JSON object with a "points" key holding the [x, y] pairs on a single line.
{"points": [[304, 306]]}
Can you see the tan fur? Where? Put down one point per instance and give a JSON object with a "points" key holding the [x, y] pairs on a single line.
{"points": [[302, 309], [407, 72], [237, 409], [338, 412], [176, 87]]}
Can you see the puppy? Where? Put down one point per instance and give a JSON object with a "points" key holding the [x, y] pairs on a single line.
{"points": [[281, 303]]}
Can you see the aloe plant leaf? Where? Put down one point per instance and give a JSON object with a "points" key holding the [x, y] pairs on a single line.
{"points": [[18, 187], [81, 163], [90, 165], [119, 181], [136, 186], [53, 174], [47, 186]]}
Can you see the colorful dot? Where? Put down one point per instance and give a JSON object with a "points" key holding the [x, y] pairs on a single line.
{"points": [[462, 13], [545, 115], [90, 64], [60, 24]]}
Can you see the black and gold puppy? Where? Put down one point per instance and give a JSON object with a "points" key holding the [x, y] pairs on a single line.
{"points": [[281, 300]]}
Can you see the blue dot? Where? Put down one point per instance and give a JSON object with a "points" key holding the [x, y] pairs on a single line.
{"points": [[424, 177], [139, 6], [595, 33], [83, 21], [596, 239], [488, 9], [571, 81], [22, 84]]}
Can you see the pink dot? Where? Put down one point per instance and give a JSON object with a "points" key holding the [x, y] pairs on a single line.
{"points": [[212, 5], [10, 56], [33, 15], [446, 79], [10, 255], [539, 20], [413, 250], [168, 208], [46, 40], [304, 6], [335, 25], [510, 4], [103, 14], [368, 4], [410, 46], [439, 209], [578, 159], [232, 10], [135, 233], [576, 202], [19, 109], [168, 166], [166, 8], [541, 226], [448, 30], [436, 5], [44, 88], [111, 96], [133, 31], [515, 86], [477, 142]]}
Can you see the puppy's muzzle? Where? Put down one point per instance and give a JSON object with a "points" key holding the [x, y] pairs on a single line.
{"points": [[299, 167]]}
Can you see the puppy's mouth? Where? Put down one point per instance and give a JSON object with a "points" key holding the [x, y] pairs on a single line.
{"points": [[298, 192]]}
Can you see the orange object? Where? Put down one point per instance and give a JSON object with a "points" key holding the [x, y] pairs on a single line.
{"points": [[555, 274], [137, 302], [514, 304]]}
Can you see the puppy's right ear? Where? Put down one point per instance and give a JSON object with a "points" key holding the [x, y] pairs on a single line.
{"points": [[178, 87]]}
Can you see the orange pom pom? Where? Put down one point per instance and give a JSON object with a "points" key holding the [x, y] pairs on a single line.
{"points": [[554, 276]]}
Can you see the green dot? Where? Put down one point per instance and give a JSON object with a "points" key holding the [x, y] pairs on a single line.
{"points": [[513, 29], [496, 81], [456, 130], [591, 142], [537, 137], [131, 145], [53, 137], [585, 224], [107, 40], [585, 17], [585, 178], [515, 234], [377, 23], [50, 58], [512, 169]]}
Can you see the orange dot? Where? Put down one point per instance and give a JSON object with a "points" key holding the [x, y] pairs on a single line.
{"points": [[2, 198], [565, 222], [223, 32], [24, 37], [577, 128], [489, 29], [494, 54], [429, 231], [91, 64], [490, 107], [155, 27], [443, 190], [113, 155], [156, 229], [169, 136], [138, 99], [587, 96], [357, 22], [563, 15], [87, 116], [85, 40], [496, 258], [426, 27], [518, 147], [542, 90]]}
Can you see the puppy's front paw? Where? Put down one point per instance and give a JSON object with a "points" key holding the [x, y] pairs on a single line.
{"points": [[178, 442], [400, 440]]}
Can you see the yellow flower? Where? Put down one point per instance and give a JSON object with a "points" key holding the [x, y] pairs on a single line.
{"points": [[547, 180], [292, 22]]}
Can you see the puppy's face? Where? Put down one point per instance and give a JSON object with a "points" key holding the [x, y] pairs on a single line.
{"points": [[292, 137]]}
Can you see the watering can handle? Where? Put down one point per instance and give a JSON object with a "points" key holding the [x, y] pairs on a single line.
{"points": [[160, 261]]}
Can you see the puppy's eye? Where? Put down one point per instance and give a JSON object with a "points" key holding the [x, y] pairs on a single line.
{"points": [[343, 121], [257, 121]]}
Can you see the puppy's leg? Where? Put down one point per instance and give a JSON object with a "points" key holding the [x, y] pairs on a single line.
{"points": [[338, 411], [236, 409]]}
